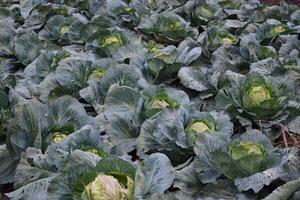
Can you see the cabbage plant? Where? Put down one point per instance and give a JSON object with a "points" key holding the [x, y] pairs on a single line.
{"points": [[261, 97], [161, 98], [167, 27], [250, 160], [197, 123], [107, 187]]}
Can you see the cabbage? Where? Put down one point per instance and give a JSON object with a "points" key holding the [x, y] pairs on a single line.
{"points": [[105, 187]]}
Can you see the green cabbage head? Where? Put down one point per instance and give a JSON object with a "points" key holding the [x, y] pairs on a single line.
{"points": [[170, 24], [262, 96], [112, 40], [159, 104], [279, 28], [107, 187], [197, 127], [159, 98], [258, 94], [204, 13], [64, 29], [161, 101], [244, 149], [249, 156], [58, 136], [227, 39], [94, 150], [97, 74]]}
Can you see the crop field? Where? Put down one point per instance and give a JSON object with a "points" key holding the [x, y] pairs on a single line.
{"points": [[149, 100]]}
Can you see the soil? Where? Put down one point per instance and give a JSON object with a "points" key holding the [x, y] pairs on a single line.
{"points": [[287, 139], [274, 2]]}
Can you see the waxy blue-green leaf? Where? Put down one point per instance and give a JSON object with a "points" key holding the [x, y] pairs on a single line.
{"points": [[155, 175], [8, 166], [122, 101], [27, 47]]}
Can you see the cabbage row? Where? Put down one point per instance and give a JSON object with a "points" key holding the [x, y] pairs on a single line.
{"points": [[149, 99]]}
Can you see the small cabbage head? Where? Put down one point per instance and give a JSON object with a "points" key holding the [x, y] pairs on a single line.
{"points": [[218, 36], [249, 156], [171, 24], [262, 96], [159, 104], [244, 149], [262, 52], [157, 50], [271, 29], [197, 127], [258, 94], [58, 136], [112, 40], [97, 74], [160, 101], [107, 187], [203, 13], [171, 27], [94, 150], [153, 47], [227, 39], [279, 29], [64, 29]]}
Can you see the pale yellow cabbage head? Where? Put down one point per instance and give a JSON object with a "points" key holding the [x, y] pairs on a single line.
{"points": [[57, 137], [198, 127], [106, 187], [244, 149], [159, 104], [64, 29], [227, 40], [258, 94], [97, 74], [112, 40], [279, 29]]}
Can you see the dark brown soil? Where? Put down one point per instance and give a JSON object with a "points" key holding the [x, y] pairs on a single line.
{"points": [[296, 2], [293, 141], [5, 189], [287, 139]]}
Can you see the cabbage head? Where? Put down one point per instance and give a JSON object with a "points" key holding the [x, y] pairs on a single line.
{"points": [[107, 187]]}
